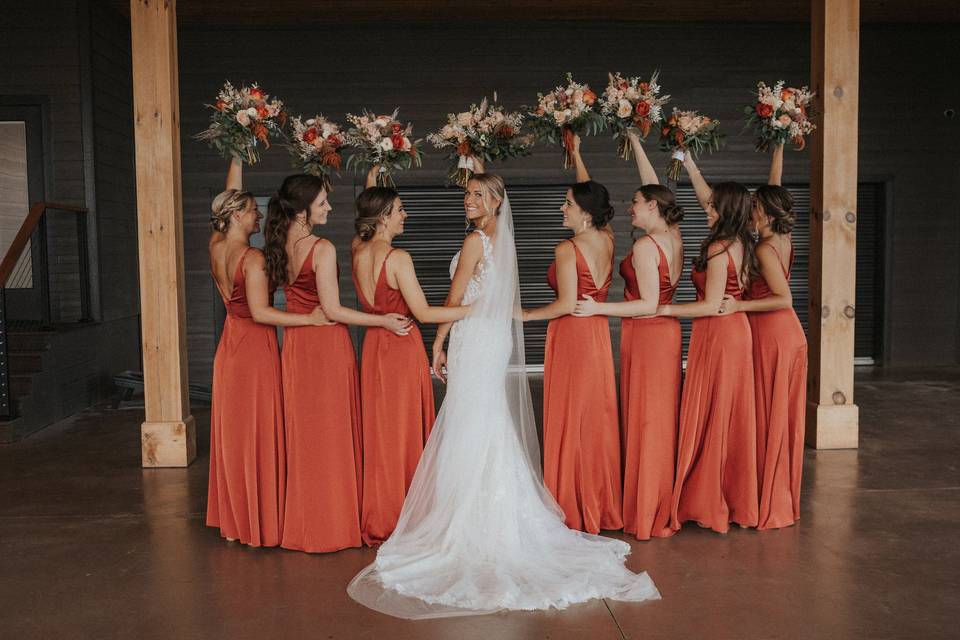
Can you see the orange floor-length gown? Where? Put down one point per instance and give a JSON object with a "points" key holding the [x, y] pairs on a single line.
{"points": [[322, 413], [716, 480], [247, 466], [780, 383], [581, 434], [396, 396], [650, 372]]}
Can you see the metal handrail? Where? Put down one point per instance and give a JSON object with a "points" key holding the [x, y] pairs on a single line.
{"points": [[26, 230]]}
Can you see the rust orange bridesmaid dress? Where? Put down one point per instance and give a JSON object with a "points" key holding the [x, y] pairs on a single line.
{"points": [[247, 467], [581, 435], [396, 396], [650, 371], [322, 416], [780, 383], [716, 480]]}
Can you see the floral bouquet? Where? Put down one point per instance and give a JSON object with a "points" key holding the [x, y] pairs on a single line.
{"points": [[384, 141], [632, 103], [688, 131], [316, 147], [241, 119], [563, 112], [487, 132], [780, 114]]}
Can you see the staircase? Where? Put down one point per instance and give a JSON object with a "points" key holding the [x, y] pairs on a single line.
{"points": [[26, 349]]}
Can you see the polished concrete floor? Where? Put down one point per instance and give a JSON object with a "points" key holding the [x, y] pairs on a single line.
{"points": [[93, 546]]}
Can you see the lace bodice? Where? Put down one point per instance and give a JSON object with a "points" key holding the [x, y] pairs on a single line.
{"points": [[475, 286]]}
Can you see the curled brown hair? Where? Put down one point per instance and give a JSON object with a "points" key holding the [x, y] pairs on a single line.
{"points": [[734, 206], [373, 204], [667, 206], [225, 205], [777, 205], [296, 194]]}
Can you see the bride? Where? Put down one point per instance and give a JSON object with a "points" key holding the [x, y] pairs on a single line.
{"points": [[479, 532]]}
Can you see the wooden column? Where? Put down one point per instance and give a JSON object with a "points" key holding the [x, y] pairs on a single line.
{"points": [[168, 434], [832, 417]]}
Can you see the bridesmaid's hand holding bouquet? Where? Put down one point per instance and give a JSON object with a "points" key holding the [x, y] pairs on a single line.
{"points": [[688, 132], [241, 119], [384, 141], [780, 115], [630, 104], [565, 112], [483, 133], [316, 147]]}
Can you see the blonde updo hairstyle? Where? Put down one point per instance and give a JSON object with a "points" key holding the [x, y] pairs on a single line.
{"points": [[225, 205], [373, 205], [491, 186]]}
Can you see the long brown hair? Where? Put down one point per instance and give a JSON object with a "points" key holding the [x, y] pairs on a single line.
{"points": [[296, 194], [734, 205]]}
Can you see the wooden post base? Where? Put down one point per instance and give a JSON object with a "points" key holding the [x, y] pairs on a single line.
{"points": [[832, 426], [168, 444]]}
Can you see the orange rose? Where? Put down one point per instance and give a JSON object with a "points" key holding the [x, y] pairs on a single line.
{"points": [[334, 141], [262, 112], [589, 97], [786, 94], [332, 159], [310, 135], [221, 105], [764, 110], [256, 92], [643, 108]]}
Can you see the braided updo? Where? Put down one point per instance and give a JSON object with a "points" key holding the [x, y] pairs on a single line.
{"points": [[225, 205]]}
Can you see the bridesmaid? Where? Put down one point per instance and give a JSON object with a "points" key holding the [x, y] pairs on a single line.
{"points": [[247, 468], [716, 480], [320, 387], [650, 354], [779, 355], [396, 392], [581, 437]]}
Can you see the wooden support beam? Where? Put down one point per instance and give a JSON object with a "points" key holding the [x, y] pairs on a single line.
{"points": [[168, 434], [832, 417]]}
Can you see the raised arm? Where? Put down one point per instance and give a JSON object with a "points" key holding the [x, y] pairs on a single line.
{"points": [[647, 173], [644, 258], [257, 289], [713, 294], [372, 176], [776, 166], [235, 175], [470, 254], [328, 288], [700, 185], [582, 174], [413, 293], [772, 272], [566, 301]]}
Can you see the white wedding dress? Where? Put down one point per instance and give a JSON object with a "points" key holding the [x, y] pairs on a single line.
{"points": [[479, 532]]}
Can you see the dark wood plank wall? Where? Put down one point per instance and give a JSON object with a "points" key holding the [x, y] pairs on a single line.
{"points": [[431, 69], [42, 49]]}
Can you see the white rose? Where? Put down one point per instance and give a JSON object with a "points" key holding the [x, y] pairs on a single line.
{"points": [[243, 118], [252, 112], [624, 109], [386, 144], [559, 116], [447, 132], [464, 119], [310, 122]]}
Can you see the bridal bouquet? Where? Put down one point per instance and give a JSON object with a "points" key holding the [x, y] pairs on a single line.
{"points": [[780, 115], [566, 111], [487, 132], [384, 141], [688, 131], [241, 119], [632, 103], [316, 147]]}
